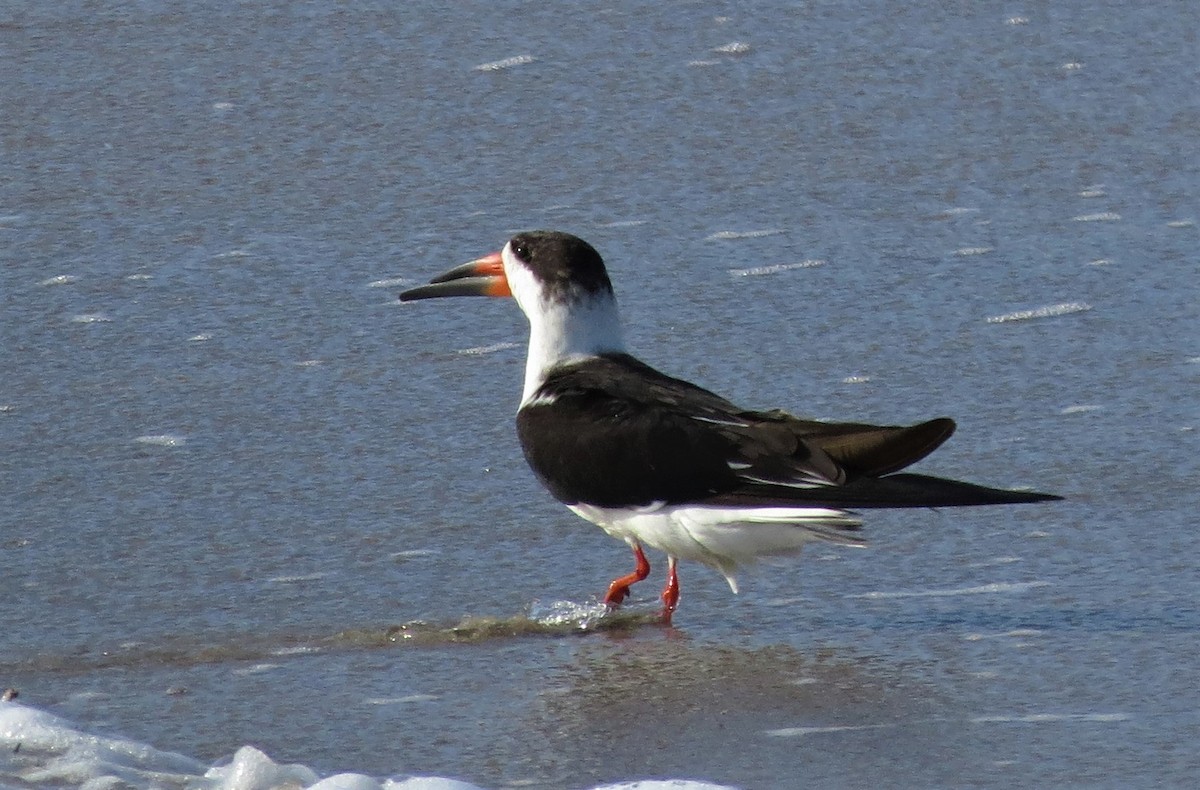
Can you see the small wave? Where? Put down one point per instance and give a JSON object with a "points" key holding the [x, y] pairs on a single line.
{"points": [[1048, 311], [1096, 191], [90, 318], [407, 553], [406, 700], [733, 48], [506, 63], [1081, 408], [493, 348], [60, 279], [568, 613], [1038, 718], [758, 271], [387, 282], [798, 732], [727, 235], [1100, 216], [969, 251], [982, 589], [162, 440], [1181, 223], [1017, 633]]}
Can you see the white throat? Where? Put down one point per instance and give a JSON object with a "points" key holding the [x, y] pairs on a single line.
{"points": [[561, 332]]}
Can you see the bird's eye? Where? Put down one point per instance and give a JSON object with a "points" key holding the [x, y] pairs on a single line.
{"points": [[521, 250]]}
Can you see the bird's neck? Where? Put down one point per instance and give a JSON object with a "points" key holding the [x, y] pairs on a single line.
{"points": [[561, 333]]}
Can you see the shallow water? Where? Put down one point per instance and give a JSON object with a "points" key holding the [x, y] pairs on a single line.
{"points": [[249, 499]]}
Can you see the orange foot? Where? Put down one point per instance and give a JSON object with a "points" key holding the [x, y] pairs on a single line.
{"points": [[619, 589]]}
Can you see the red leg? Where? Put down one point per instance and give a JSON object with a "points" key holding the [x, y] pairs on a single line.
{"points": [[620, 587], [670, 596]]}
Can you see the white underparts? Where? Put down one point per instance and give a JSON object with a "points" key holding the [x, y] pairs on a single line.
{"points": [[724, 538]]}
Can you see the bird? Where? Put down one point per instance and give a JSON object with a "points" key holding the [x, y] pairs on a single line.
{"points": [[657, 461]]}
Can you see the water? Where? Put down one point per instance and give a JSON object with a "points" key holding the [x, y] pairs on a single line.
{"points": [[250, 502]]}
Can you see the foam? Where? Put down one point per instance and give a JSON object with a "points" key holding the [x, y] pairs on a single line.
{"points": [[39, 748], [491, 349], [61, 279], [1047, 311], [506, 63], [387, 282], [758, 271], [730, 235], [162, 440], [982, 589]]}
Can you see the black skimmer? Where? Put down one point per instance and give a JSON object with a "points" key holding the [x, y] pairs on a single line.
{"points": [[659, 461]]}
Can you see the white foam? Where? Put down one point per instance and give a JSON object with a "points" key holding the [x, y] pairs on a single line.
{"points": [[994, 561], [799, 732], [727, 235], [1181, 223], [90, 318], [506, 63], [758, 271], [1039, 718], [1081, 408], [203, 337], [162, 440], [493, 348], [733, 48], [387, 282], [1047, 311], [559, 613], [856, 379], [969, 251], [232, 254], [61, 279], [38, 748], [412, 553], [1100, 216], [406, 700], [1017, 20], [982, 589], [1094, 191]]}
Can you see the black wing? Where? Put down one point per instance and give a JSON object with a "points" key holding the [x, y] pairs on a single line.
{"points": [[614, 432]]}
